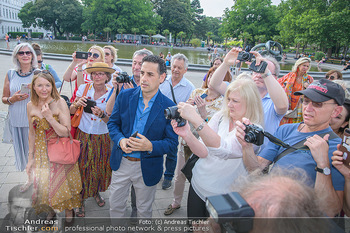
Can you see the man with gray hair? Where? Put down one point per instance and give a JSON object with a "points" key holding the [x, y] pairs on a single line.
{"points": [[177, 88]]}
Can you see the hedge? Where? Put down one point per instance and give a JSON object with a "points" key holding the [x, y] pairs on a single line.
{"points": [[34, 34]]}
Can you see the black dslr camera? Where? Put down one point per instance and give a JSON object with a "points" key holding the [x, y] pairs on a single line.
{"points": [[254, 134], [172, 113], [123, 77], [244, 56]]}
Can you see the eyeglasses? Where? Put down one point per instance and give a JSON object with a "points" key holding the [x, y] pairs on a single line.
{"points": [[98, 74], [315, 104], [330, 77], [94, 55], [21, 53]]}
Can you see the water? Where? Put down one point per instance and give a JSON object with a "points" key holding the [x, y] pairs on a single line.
{"points": [[195, 56]]}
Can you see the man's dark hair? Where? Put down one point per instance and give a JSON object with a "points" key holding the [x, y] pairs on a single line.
{"points": [[157, 60], [16, 193]]}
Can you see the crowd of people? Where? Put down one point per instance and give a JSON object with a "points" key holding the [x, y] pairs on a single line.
{"points": [[125, 137]]}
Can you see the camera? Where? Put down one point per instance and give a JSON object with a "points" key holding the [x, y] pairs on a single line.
{"points": [[244, 56], [254, 134], [172, 113], [258, 69], [231, 211], [123, 77]]}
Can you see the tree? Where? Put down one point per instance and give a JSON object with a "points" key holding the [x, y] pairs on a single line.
{"points": [[207, 24], [256, 17], [245, 36], [121, 31], [53, 15], [176, 15], [208, 34], [107, 30], [126, 14], [166, 32], [181, 35], [135, 30], [150, 32]]}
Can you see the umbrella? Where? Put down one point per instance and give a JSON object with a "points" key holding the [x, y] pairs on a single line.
{"points": [[158, 36]]}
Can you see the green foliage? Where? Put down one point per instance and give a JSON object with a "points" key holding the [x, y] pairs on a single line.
{"points": [[195, 42], [256, 17], [234, 43], [207, 24], [126, 14], [33, 34], [57, 15], [319, 55]]}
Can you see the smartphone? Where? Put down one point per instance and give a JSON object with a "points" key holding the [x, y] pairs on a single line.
{"points": [[202, 96], [89, 104], [25, 89], [134, 134], [345, 147], [81, 55]]}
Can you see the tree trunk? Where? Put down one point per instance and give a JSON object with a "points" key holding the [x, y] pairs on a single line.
{"points": [[297, 52], [345, 50], [329, 52], [67, 37]]}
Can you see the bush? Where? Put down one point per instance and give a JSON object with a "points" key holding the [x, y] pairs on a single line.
{"points": [[195, 42], [75, 38], [319, 56], [60, 38], [34, 34]]}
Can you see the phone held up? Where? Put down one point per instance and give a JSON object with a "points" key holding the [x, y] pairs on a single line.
{"points": [[203, 96], [25, 89], [81, 55], [89, 104], [345, 147]]}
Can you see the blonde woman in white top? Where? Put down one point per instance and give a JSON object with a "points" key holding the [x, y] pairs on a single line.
{"points": [[220, 152]]}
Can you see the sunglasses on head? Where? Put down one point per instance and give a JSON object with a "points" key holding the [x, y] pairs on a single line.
{"points": [[94, 55], [36, 72], [21, 53], [306, 101]]}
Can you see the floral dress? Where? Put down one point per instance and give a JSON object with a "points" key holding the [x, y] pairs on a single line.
{"points": [[56, 185]]}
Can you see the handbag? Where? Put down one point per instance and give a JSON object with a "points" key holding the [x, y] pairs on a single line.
{"points": [[7, 135], [189, 165], [77, 115], [63, 150]]}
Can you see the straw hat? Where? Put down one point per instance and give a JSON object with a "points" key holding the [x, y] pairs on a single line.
{"points": [[100, 66]]}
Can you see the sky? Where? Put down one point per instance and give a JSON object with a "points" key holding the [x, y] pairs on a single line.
{"points": [[215, 8]]}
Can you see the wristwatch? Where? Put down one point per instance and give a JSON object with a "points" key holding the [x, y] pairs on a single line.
{"points": [[326, 171], [267, 74]]}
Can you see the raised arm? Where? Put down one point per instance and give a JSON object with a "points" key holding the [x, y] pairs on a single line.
{"points": [[216, 81]]}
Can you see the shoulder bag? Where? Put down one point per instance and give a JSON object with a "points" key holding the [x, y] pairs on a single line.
{"points": [[63, 150], [77, 115]]}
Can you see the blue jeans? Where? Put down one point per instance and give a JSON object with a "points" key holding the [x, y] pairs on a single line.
{"points": [[170, 165]]}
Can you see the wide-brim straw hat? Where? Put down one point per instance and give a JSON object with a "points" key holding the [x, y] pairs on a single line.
{"points": [[100, 66]]}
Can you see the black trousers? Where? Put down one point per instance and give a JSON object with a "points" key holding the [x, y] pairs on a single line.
{"points": [[195, 206]]}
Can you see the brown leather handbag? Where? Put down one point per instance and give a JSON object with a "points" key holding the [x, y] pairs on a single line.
{"points": [[77, 115]]}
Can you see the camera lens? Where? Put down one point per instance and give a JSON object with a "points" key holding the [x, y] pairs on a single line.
{"points": [[167, 113], [245, 56], [250, 137]]}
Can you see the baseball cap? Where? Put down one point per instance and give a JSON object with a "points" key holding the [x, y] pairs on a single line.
{"points": [[323, 90]]}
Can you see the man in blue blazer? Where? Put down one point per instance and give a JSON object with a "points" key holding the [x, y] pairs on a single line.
{"points": [[138, 161]]}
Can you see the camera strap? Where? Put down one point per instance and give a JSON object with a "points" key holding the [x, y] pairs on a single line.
{"points": [[172, 92], [300, 145], [297, 146]]}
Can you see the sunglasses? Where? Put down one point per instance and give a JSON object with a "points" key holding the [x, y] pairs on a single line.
{"points": [[95, 55], [21, 53], [330, 77], [40, 61], [107, 54], [315, 104], [36, 72]]}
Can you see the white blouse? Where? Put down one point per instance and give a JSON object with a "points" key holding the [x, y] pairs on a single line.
{"points": [[216, 173], [90, 123]]}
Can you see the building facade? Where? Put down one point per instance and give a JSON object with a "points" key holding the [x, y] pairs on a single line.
{"points": [[9, 21]]}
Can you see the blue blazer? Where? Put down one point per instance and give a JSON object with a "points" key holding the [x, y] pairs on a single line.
{"points": [[158, 130]]}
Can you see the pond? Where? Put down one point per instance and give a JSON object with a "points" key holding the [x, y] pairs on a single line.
{"points": [[195, 56]]}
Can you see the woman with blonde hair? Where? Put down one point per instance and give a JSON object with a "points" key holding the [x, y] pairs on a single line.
{"points": [[110, 58], [296, 80], [55, 185], [220, 154], [25, 62], [76, 70]]}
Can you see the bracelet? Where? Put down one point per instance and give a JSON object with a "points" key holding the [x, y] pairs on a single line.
{"points": [[75, 105], [201, 126], [103, 115], [8, 100], [265, 75]]}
